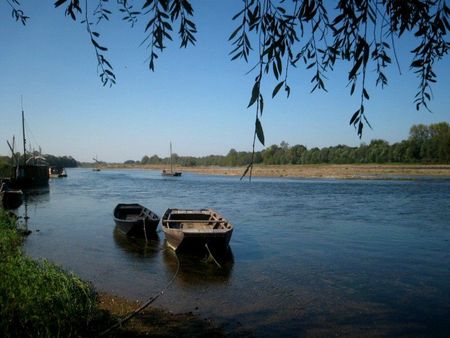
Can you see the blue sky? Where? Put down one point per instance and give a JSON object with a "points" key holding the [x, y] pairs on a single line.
{"points": [[196, 98]]}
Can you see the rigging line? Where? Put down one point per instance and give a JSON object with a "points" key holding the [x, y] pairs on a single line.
{"points": [[31, 133], [147, 303]]}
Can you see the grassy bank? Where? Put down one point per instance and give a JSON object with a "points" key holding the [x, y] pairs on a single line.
{"points": [[40, 299]]}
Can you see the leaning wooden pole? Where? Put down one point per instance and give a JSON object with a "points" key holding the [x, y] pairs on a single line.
{"points": [[23, 134]]}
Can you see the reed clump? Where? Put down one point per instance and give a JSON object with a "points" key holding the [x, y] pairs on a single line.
{"points": [[38, 298]]}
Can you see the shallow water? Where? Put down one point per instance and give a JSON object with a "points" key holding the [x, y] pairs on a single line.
{"points": [[308, 257]]}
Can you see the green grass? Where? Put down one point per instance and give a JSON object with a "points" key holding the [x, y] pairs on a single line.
{"points": [[38, 298]]}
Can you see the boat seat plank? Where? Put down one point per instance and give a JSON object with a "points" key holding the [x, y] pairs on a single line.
{"points": [[194, 221]]}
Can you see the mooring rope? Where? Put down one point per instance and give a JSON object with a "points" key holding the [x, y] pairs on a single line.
{"points": [[147, 303], [211, 255]]}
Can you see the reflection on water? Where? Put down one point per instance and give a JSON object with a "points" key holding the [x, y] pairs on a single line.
{"points": [[137, 247], [309, 257], [197, 270]]}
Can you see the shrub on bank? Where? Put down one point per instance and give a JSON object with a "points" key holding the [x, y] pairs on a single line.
{"points": [[10, 239], [37, 298]]}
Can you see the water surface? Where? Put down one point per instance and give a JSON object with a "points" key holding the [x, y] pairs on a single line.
{"points": [[314, 257]]}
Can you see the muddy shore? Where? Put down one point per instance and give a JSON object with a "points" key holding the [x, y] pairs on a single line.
{"points": [[155, 322]]}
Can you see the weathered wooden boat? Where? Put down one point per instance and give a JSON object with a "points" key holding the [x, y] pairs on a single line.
{"points": [[57, 172], [10, 198], [196, 230], [135, 220], [33, 173], [171, 172]]}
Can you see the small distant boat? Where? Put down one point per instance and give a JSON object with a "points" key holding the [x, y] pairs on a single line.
{"points": [[97, 164], [195, 230], [57, 172], [135, 220], [171, 172], [10, 198]]}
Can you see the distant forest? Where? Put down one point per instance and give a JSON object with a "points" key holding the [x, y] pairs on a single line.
{"points": [[61, 161], [425, 144]]}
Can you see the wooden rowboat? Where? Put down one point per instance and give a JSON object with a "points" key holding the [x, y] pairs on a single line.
{"points": [[135, 220], [196, 230]]}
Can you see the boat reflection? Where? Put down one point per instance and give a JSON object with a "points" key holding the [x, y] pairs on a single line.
{"points": [[36, 195], [200, 269], [136, 246]]}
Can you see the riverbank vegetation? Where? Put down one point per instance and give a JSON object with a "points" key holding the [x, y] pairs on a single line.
{"points": [[40, 299], [426, 144]]}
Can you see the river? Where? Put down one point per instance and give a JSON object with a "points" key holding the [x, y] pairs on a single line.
{"points": [[308, 257]]}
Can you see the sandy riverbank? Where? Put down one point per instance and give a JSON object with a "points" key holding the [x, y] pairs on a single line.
{"points": [[336, 171]]}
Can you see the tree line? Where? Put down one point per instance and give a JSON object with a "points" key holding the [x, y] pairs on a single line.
{"points": [[425, 144]]}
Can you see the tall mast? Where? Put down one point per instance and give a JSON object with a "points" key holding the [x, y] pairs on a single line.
{"points": [[23, 133], [171, 169]]}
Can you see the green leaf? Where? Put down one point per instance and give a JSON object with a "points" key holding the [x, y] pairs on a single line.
{"points": [[234, 33], [360, 129], [59, 3], [98, 46], [355, 68], [352, 90], [366, 95], [259, 131], [261, 104], [277, 88], [353, 120], [255, 94]]}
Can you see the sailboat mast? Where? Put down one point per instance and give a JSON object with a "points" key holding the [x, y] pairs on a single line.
{"points": [[171, 168], [23, 133]]}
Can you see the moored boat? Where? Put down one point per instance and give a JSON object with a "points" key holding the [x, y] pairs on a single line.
{"points": [[135, 220], [10, 198], [171, 172], [57, 172], [33, 173], [196, 230]]}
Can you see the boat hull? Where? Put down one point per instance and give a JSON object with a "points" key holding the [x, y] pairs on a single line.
{"points": [[11, 199], [196, 230], [135, 220], [30, 176], [180, 240], [171, 174]]}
